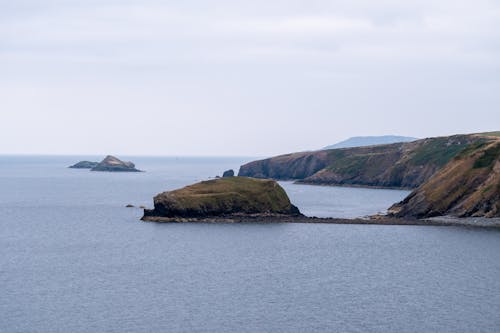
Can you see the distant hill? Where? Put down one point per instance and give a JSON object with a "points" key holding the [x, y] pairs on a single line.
{"points": [[363, 141]]}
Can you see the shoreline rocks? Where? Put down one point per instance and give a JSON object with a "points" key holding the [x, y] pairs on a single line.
{"points": [[374, 220]]}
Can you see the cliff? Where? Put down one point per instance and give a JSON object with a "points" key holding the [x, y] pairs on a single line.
{"points": [[469, 185], [398, 165], [223, 197]]}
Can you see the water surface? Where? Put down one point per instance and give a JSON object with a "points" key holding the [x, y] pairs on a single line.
{"points": [[75, 260]]}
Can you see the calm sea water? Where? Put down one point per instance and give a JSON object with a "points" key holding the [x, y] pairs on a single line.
{"points": [[73, 259]]}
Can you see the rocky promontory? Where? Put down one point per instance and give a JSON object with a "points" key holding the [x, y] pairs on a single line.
{"points": [[223, 198], [113, 164], [84, 165]]}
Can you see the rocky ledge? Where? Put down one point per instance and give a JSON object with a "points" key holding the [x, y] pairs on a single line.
{"points": [[222, 199], [113, 164]]}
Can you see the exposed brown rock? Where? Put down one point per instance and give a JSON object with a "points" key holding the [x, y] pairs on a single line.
{"points": [[469, 185]]}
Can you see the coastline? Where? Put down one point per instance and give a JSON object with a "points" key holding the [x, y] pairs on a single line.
{"points": [[376, 220], [304, 182]]}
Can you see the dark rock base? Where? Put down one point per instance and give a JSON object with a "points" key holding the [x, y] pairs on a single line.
{"points": [[263, 219]]}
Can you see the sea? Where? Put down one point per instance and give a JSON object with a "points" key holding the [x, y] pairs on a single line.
{"points": [[75, 259]]}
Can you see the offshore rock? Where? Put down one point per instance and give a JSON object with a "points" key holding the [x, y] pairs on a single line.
{"points": [[113, 164]]}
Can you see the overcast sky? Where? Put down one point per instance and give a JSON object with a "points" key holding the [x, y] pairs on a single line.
{"points": [[233, 77]]}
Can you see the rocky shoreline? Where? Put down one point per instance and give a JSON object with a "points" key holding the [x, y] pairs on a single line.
{"points": [[374, 220]]}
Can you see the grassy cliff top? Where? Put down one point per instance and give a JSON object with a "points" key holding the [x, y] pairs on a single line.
{"points": [[495, 134]]}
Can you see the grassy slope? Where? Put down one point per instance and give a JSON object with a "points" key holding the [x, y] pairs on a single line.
{"points": [[226, 196], [396, 165], [469, 185]]}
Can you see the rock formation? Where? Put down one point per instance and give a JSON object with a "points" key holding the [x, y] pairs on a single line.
{"points": [[223, 197], [113, 164], [228, 173], [84, 165]]}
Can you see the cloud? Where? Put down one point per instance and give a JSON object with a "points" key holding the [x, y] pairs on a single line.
{"points": [[333, 61]]}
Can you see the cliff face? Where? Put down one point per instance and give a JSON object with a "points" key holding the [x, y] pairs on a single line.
{"points": [[469, 185], [401, 165], [284, 167], [223, 197]]}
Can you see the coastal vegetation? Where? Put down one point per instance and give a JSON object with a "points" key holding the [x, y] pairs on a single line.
{"points": [[467, 186], [223, 197]]}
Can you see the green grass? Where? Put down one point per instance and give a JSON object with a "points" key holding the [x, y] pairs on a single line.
{"points": [[350, 165], [438, 151], [497, 133], [231, 194], [473, 147], [488, 158]]}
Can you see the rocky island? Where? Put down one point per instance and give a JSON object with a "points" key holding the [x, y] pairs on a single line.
{"points": [[109, 163], [113, 164], [223, 199]]}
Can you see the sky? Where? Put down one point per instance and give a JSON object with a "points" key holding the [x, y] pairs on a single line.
{"points": [[243, 78]]}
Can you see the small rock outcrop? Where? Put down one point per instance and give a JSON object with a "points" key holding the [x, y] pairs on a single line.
{"points": [[84, 165], [228, 173], [223, 197], [113, 164]]}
